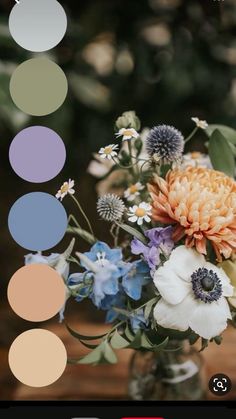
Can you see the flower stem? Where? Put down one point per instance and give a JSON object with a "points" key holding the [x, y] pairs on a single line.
{"points": [[191, 135], [83, 213], [71, 217]]}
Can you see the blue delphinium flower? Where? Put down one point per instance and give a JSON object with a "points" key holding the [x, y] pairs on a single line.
{"points": [[160, 242], [138, 321], [102, 254], [133, 281], [104, 267], [55, 260], [110, 303]]}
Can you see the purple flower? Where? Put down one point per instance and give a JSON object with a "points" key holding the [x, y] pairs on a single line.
{"points": [[160, 242], [161, 237]]}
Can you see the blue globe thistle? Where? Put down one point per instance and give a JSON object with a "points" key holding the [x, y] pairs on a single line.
{"points": [[165, 143], [110, 207]]}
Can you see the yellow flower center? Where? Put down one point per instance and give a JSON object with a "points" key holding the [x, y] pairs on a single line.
{"points": [[65, 188], [133, 189], [107, 150], [140, 212], [128, 132], [195, 155]]}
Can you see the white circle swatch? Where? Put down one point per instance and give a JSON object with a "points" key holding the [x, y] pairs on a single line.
{"points": [[37, 25]]}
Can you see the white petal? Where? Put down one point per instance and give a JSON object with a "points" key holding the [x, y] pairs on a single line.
{"points": [[173, 316], [171, 287], [140, 221], [227, 288], [133, 219], [147, 219], [185, 261], [209, 319]]}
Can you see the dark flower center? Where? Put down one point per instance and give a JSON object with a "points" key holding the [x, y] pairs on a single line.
{"points": [[206, 285]]}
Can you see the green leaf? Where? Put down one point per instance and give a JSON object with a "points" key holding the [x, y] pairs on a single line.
{"points": [[109, 354], [128, 333], [227, 132], [161, 345], [82, 233], [171, 333], [193, 338], [221, 154], [218, 340], [136, 343], [204, 344], [93, 357], [133, 232], [118, 342], [158, 342], [88, 345], [145, 342], [149, 306], [83, 337]]}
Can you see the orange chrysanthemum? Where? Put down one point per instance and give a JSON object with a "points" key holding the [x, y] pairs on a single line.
{"points": [[202, 205]]}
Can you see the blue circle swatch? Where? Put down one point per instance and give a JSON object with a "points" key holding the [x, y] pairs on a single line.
{"points": [[37, 221]]}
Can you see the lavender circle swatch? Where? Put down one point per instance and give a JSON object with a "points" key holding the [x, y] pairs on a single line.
{"points": [[37, 154], [37, 221]]}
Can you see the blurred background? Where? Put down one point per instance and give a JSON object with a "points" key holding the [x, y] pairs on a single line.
{"points": [[168, 60]]}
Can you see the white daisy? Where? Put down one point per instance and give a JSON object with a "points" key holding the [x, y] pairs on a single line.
{"points": [[140, 213], [127, 133], [193, 294], [66, 188], [108, 152], [200, 123], [196, 159], [133, 191]]}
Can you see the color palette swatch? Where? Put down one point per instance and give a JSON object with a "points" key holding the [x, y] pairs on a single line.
{"points": [[37, 358], [35, 148], [42, 79], [38, 25], [30, 292], [37, 221]]}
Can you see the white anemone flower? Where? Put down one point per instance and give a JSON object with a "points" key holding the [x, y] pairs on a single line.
{"points": [[108, 152], [127, 133], [66, 188], [200, 123], [193, 294], [133, 191], [140, 213]]}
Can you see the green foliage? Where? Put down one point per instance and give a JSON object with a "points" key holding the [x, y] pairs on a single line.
{"points": [[221, 154]]}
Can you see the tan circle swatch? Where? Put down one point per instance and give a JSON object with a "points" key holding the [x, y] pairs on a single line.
{"points": [[36, 292], [38, 86], [37, 358]]}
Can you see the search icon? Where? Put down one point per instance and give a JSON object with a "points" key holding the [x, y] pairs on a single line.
{"points": [[220, 384]]}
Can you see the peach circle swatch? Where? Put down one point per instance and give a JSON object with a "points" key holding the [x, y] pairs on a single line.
{"points": [[36, 292], [37, 358]]}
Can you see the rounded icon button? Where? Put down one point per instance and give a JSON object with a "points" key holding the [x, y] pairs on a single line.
{"points": [[37, 25], [220, 384]]}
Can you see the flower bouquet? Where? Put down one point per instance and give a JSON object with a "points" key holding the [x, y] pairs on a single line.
{"points": [[167, 276]]}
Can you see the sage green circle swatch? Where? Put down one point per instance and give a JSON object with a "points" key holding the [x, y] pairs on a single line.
{"points": [[38, 87]]}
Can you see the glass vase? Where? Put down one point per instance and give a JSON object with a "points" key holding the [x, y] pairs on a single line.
{"points": [[173, 374]]}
